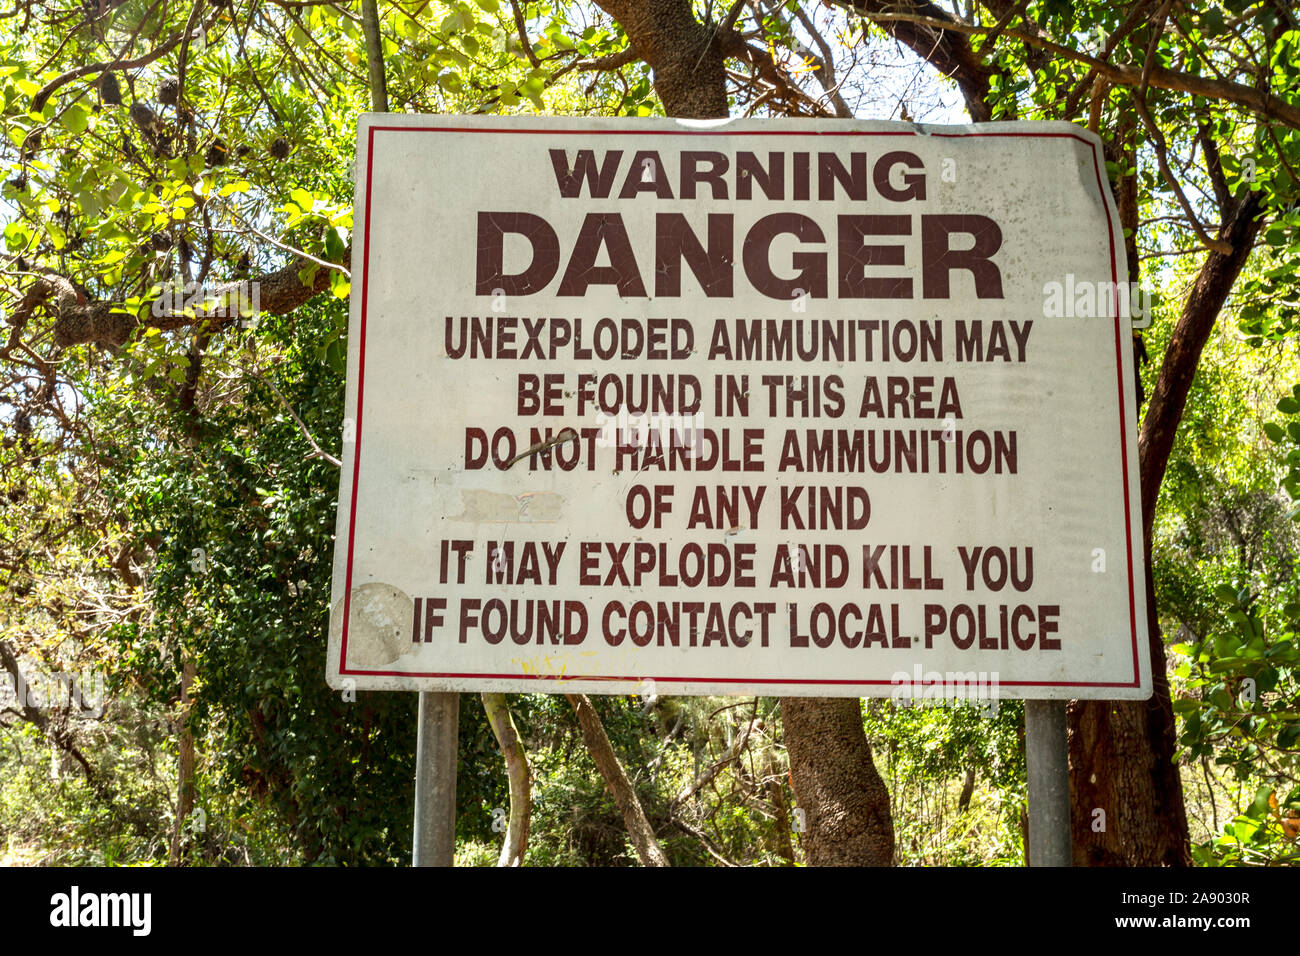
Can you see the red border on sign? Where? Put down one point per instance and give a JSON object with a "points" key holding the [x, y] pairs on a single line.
{"points": [[361, 376]]}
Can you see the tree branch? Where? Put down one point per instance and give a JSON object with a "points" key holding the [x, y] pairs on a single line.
{"points": [[317, 451], [79, 322], [710, 772], [503, 727], [1178, 369], [374, 55], [936, 37], [598, 745], [1258, 100], [44, 93], [522, 29]]}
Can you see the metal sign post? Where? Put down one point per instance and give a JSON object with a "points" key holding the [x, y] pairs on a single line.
{"points": [[1046, 760], [436, 730], [435, 780]]}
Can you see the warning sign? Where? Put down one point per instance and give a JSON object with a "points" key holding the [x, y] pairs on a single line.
{"points": [[753, 407]]}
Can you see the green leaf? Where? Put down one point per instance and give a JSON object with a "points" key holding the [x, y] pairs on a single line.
{"points": [[1227, 594], [76, 118], [339, 284], [333, 245], [1289, 735], [1266, 679]]}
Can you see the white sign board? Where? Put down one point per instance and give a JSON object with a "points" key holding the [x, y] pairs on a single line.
{"points": [[755, 407]]}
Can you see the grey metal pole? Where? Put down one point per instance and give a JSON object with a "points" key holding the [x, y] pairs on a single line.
{"points": [[1046, 760], [437, 729], [435, 779]]}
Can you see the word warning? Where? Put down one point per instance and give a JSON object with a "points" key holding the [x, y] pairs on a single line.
{"points": [[741, 407]]}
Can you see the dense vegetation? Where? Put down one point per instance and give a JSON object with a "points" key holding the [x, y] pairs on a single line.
{"points": [[168, 481]]}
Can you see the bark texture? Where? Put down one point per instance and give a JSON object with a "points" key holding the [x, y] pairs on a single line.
{"points": [[684, 54], [845, 802], [638, 826]]}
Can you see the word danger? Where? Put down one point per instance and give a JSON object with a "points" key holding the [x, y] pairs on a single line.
{"points": [[862, 243]]}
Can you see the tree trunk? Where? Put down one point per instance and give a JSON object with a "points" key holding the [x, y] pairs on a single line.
{"points": [[967, 786], [184, 764], [845, 802], [834, 778], [1122, 763], [503, 727], [634, 818], [1122, 753], [683, 53]]}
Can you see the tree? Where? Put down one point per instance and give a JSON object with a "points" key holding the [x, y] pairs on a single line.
{"points": [[1139, 60], [150, 147]]}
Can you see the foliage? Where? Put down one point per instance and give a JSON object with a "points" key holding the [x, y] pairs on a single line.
{"points": [[1226, 586], [168, 494], [925, 750]]}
